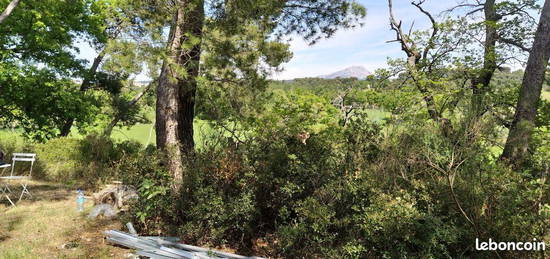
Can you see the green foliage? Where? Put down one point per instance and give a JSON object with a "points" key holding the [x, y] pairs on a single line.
{"points": [[289, 169], [86, 162], [38, 61], [294, 113], [233, 86], [36, 100], [155, 208], [363, 190], [311, 19], [43, 32]]}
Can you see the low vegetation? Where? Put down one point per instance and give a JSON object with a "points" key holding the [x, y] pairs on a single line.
{"points": [[442, 147]]}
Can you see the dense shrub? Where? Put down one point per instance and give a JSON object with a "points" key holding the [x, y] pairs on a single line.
{"points": [[11, 142], [304, 186], [155, 208], [59, 159], [86, 162]]}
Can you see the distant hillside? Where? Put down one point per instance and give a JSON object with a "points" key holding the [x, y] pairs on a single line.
{"points": [[358, 72]]}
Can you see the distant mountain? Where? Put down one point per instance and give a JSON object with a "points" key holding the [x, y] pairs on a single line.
{"points": [[358, 72]]}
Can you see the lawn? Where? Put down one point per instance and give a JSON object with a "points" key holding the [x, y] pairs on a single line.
{"points": [[145, 133], [49, 226], [142, 133]]}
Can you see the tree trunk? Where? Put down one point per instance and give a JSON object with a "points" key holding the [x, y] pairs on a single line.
{"points": [[517, 145], [66, 129], [8, 10], [480, 84], [188, 84], [168, 103], [177, 86], [109, 129]]}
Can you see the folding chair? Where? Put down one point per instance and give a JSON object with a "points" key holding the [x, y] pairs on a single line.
{"points": [[22, 157], [4, 187]]}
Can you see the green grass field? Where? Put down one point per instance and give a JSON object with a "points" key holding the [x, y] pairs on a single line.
{"points": [[377, 115], [145, 133]]}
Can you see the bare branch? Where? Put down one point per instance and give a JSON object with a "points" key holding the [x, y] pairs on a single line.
{"points": [[435, 28], [462, 6], [474, 11], [406, 45], [514, 43], [8, 10], [410, 30]]}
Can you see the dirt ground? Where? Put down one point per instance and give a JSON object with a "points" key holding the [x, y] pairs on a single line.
{"points": [[48, 225]]}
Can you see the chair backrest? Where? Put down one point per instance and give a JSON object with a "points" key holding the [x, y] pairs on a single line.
{"points": [[28, 157], [24, 157]]}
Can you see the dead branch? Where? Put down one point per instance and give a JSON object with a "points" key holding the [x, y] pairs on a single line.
{"points": [[514, 43], [406, 44], [435, 28]]}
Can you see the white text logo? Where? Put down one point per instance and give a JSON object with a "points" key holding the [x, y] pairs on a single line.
{"points": [[507, 246]]}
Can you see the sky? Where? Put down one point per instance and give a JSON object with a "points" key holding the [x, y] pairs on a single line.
{"points": [[364, 46]]}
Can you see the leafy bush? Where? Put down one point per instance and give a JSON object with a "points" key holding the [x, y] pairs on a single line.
{"points": [[155, 207], [59, 159], [86, 162], [366, 190]]}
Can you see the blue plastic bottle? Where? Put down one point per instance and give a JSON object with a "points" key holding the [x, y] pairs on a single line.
{"points": [[80, 200]]}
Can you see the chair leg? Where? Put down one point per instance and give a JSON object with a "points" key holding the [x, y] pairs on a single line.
{"points": [[8, 197], [3, 189], [24, 191]]}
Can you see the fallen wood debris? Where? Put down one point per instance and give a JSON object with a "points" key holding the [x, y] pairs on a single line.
{"points": [[112, 199], [165, 247], [116, 194]]}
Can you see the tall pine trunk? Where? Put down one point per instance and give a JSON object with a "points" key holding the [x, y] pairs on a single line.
{"points": [[190, 60], [177, 86], [517, 145]]}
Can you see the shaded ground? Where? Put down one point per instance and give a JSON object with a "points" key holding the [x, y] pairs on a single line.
{"points": [[49, 226]]}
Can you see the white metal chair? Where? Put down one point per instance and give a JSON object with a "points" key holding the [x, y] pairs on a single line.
{"points": [[21, 157], [4, 187]]}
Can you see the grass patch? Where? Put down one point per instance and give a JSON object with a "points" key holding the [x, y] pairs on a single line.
{"points": [[142, 133], [145, 133], [40, 226]]}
